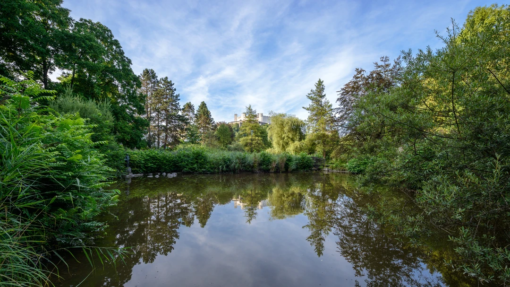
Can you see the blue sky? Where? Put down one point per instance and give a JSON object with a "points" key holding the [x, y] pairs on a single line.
{"points": [[266, 53]]}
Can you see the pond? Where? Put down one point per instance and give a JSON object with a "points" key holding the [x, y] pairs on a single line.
{"points": [[303, 229]]}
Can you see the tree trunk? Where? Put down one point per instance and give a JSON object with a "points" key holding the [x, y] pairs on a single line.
{"points": [[45, 74], [72, 78]]}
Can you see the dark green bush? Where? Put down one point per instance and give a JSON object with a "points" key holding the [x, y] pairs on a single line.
{"points": [[357, 165], [303, 161]]}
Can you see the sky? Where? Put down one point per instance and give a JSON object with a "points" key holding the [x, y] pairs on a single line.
{"points": [[269, 54]]}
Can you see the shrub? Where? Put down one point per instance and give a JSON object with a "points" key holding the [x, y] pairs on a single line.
{"points": [[52, 183], [200, 159], [357, 165], [303, 162]]}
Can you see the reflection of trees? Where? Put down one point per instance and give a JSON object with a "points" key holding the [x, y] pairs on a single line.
{"points": [[149, 217], [286, 202], [150, 226], [320, 210], [251, 199], [204, 206], [385, 261]]}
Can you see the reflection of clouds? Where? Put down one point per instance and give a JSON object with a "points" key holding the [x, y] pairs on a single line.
{"points": [[192, 231], [266, 53], [232, 253]]}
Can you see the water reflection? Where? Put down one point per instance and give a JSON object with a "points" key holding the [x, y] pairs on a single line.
{"points": [[251, 230]]}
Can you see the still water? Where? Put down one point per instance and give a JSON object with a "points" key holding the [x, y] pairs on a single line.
{"points": [[303, 229]]}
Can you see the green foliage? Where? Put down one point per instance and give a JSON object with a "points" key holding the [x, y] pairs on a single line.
{"points": [[285, 130], [51, 184], [224, 134], [30, 37], [250, 133], [200, 159], [39, 36], [236, 146], [320, 118], [98, 115], [192, 135], [252, 143], [204, 120], [322, 136], [357, 165], [442, 132]]}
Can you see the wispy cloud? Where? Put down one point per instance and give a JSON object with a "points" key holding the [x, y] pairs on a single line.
{"points": [[266, 53]]}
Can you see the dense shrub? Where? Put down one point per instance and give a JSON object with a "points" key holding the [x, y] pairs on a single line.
{"points": [[357, 165], [199, 159], [303, 161]]}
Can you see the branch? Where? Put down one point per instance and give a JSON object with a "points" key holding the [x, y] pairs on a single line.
{"points": [[507, 91]]}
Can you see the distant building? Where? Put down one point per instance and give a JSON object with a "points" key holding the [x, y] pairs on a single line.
{"points": [[263, 120]]}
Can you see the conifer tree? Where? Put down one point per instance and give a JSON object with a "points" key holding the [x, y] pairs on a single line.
{"points": [[321, 136], [188, 110], [250, 133], [172, 123], [320, 118], [149, 81], [204, 120]]}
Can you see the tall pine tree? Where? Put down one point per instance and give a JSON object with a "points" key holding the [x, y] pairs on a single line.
{"points": [[250, 134], [204, 120], [149, 83], [320, 123]]}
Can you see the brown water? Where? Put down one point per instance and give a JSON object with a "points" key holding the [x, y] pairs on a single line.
{"points": [[303, 229]]}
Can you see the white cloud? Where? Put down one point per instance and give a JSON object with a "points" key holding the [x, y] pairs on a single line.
{"points": [[265, 53]]}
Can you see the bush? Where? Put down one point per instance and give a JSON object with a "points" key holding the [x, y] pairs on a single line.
{"points": [[51, 183], [357, 165], [235, 147], [200, 159], [303, 161]]}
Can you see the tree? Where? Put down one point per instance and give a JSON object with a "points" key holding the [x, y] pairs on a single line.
{"points": [[250, 133], [284, 130], [192, 134], [30, 37], [175, 123], [97, 114], [204, 120], [442, 133], [224, 134], [320, 118], [149, 82], [40, 36], [380, 80], [99, 70], [188, 110], [320, 123]]}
